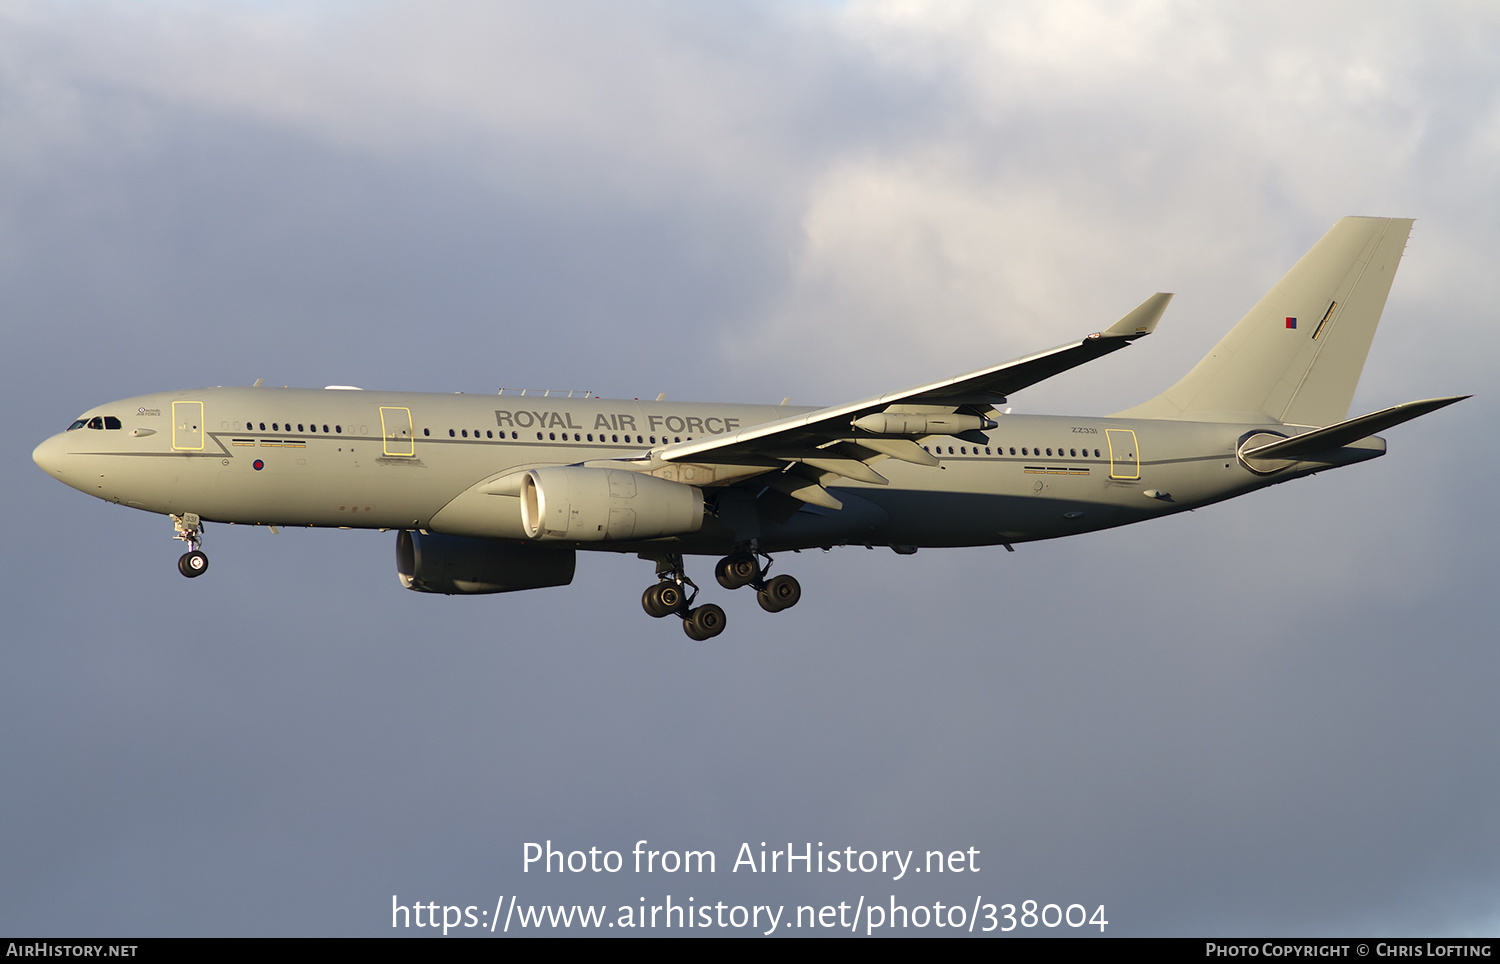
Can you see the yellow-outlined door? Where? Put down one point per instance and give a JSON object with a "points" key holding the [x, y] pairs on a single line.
{"points": [[1124, 454], [395, 428], [187, 426]]}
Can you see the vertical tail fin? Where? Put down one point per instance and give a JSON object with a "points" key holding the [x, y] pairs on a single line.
{"points": [[1298, 354]]}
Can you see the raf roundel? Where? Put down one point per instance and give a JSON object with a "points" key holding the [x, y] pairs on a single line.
{"points": [[258, 465]]}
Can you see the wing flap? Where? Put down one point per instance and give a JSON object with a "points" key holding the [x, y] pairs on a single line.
{"points": [[801, 489], [903, 449]]}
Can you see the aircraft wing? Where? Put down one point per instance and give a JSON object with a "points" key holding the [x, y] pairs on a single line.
{"points": [[821, 445]]}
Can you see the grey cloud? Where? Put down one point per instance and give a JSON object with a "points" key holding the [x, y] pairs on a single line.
{"points": [[1272, 716]]}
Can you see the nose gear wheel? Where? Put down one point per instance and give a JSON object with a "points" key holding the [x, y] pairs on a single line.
{"points": [[194, 562]]}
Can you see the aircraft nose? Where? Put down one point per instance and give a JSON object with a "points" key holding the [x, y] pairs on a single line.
{"points": [[49, 456]]}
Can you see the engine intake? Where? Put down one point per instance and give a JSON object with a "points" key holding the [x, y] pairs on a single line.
{"points": [[578, 504], [460, 566]]}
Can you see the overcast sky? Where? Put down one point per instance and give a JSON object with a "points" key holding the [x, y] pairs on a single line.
{"points": [[1273, 716]]}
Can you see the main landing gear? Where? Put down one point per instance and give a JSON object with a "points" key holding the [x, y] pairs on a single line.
{"points": [[190, 530], [669, 597], [741, 568], [674, 592]]}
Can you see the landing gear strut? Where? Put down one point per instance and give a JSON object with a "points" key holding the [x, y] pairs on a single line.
{"points": [[742, 568], [190, 530], [670, 597]]}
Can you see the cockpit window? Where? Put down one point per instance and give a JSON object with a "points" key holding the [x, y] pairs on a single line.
{"points": [[100, 422]]}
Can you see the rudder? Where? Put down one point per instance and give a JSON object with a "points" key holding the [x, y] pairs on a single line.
{"points": [[1297, 355]]}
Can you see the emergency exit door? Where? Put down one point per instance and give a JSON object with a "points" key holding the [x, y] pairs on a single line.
{"points": [[187, 426], [1124, 454], [395, 428]]}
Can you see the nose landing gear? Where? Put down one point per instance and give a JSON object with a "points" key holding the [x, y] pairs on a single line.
{"points": [[193, 563]]}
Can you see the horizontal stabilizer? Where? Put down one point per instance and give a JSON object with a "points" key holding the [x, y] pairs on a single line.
{"points": [[1342, 433]]}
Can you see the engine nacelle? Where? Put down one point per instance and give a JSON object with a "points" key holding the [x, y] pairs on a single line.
{"points": [[577, 504], [459, 566]]}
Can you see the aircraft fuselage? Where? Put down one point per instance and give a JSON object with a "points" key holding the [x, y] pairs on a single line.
{"points": [[386, 460]]}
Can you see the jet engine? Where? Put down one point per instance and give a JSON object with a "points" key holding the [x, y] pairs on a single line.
{"points": [[459, 566], [578, 504]]}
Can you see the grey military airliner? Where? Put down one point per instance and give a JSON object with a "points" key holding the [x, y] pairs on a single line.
{"points": [[497, 493]]}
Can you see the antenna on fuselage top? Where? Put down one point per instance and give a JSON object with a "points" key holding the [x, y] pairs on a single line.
{"points": [[258, 383]]}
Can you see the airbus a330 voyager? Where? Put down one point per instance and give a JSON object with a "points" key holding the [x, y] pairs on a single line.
{"points": [[498, 493]]}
